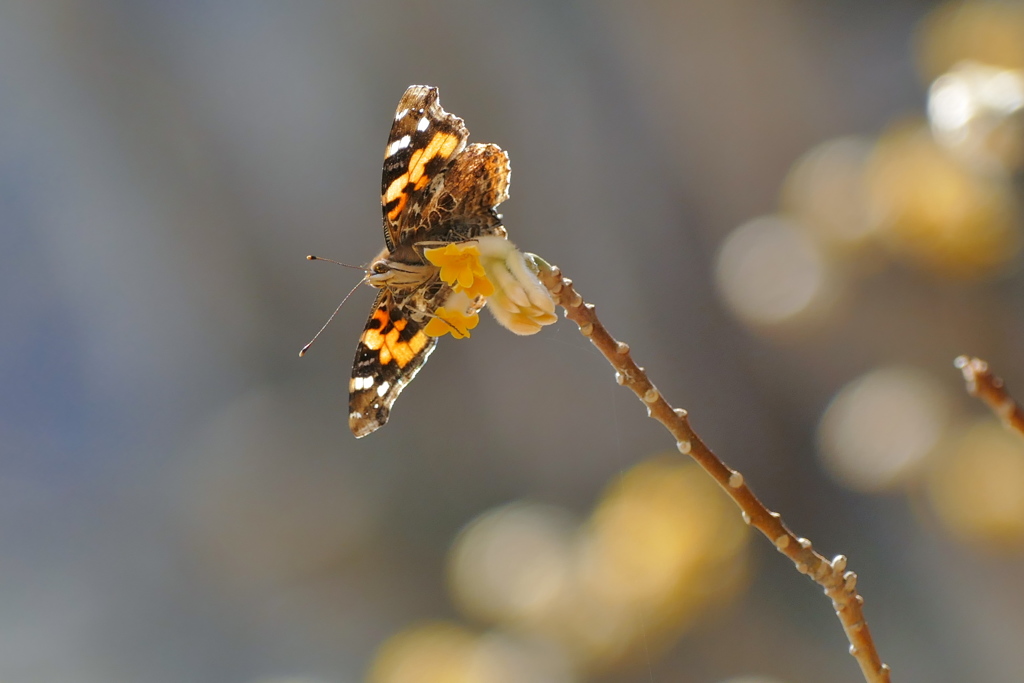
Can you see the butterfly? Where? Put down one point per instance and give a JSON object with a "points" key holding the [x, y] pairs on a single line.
{"points": [[435, 189]]}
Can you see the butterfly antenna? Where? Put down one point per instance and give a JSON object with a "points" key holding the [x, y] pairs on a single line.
{"points": [[350, 292], [337, 263]]}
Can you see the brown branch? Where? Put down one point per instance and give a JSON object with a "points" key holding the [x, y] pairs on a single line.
{"points": [[989, 388], [840, 585]]}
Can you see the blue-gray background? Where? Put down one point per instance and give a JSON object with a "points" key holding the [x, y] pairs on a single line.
{"points": [[180, 498]]}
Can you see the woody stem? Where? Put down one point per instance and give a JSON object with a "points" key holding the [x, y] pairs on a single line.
{"points": [[839, 584], [989, 388]]}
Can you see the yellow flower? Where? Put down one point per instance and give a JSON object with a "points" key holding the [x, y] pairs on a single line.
{"points": [[454, 321], [461, 268]]}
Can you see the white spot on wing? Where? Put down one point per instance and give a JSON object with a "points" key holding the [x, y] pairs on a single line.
{"points": [[398, 144], [383, 389], [401, 113], [362, 383], [422, 125]]}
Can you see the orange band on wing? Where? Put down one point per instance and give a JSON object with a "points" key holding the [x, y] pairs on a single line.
{"points": [[388, 345], [405, 352], [441, 145], [403, 199]]}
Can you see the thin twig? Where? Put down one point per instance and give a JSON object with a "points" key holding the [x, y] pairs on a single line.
{"points": [[839, 584], [989, 388]]}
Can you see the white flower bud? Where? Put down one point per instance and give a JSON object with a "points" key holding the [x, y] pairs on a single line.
{"points": [[520, 301]]}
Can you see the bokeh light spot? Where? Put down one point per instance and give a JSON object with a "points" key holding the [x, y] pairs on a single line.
{"points": [[511, 564], [503, 658], [436, 652], [825, 192], [878, 430], [769, 271], [974, 111], [977, 488]]}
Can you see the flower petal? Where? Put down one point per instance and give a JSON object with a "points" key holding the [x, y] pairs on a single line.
{"points": [[457, 323]]}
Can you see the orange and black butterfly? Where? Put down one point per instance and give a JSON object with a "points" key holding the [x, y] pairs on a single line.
{"points": [[435, 189]]}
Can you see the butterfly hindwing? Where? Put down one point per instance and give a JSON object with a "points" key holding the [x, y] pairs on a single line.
{"points": [[462, 208]]}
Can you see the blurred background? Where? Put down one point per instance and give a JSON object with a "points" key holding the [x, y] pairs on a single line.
{"points": [[796, 213]]}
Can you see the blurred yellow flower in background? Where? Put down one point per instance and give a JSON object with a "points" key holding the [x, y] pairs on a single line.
{"points": [[435, 652], [663, 546], [935, 211], [986, 32], [977, 488]]}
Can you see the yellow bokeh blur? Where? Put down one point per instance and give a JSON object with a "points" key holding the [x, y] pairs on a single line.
{"points": [[662, 522], [987, 32], [935, 212], [663, 546], [443, 652], [435, 652], [977, 488]]}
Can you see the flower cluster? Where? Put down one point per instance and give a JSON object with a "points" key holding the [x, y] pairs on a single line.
{"points": [[490, 269]]}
